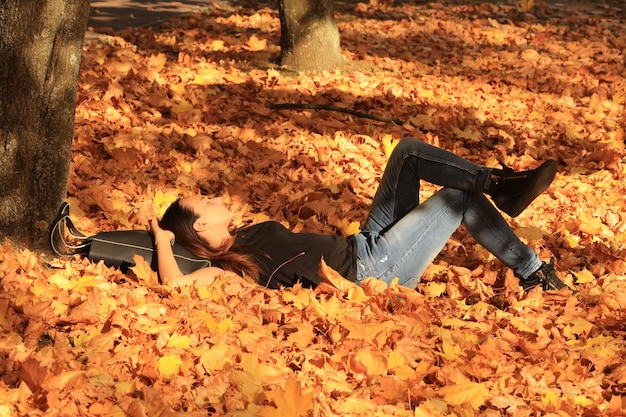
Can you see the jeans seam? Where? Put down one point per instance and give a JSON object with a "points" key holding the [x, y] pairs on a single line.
{"points": [[412, 248], [476, 174]]}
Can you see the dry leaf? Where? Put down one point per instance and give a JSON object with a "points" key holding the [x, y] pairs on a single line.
{"points": [[469, 393], [290, 401]]}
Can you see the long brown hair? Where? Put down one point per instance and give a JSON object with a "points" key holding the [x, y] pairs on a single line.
{"points": [[179, 220]]}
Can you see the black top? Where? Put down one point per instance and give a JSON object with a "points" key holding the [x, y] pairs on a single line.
{"points": [[284, 257]]}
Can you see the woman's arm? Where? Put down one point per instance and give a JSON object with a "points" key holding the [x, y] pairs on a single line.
{"points": [[169, 271]]}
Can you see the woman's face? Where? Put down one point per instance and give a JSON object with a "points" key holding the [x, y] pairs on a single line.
{"points": [[214, 223]]}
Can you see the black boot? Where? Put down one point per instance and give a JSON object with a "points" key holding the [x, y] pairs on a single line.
{"points": [[513, 191], [545, 276]]}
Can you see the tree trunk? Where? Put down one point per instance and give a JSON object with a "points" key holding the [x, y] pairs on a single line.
{"points": [[40, 49], [309, 37]]}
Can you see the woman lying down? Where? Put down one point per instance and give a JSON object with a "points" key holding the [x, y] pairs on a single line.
{"points": [[399, 239]]}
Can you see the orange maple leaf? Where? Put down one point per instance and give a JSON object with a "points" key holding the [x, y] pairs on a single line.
{"points": [[369, 360], [256, 44], [471, 393], [333, 278], [290, 401], [144, 272]]}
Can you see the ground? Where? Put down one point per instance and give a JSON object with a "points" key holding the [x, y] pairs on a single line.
{"points": [[185, 108]]}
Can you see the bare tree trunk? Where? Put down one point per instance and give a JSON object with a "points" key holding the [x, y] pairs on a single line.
{"points": [[309, 37], [40, 49]]}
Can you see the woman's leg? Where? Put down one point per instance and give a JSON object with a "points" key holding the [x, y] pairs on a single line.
{"points": [[405, 249], [414, 160], [411, 161]]}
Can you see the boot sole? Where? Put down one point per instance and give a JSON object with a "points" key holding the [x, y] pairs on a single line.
{"points": [[544, 175]]}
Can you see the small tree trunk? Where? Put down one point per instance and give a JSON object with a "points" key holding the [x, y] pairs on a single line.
{"points": [[40, 45], [309, 37]]}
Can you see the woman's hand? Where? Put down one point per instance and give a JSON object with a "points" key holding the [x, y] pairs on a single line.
{"points": [[169, 271], [160, 235]]}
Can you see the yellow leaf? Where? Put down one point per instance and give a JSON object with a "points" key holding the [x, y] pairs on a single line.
{"points": [[180, 341], [83, 338], [216, 45], [601, 347], [431, 407], [60, 280], [395, 360], [376, 333], [291, 401], [183, 107], [389, 144], [215, 327], [124, 387], [571, 241], [59, 308], [519, 324], [333, 278], [304, 336], [584, 276], [573, 133], [329, 309], [169, 365], [423, 121], [591, 224], [434, 289], [75, 210], [549, 398], [583, 401], [426, 94], [471, 393], [251, 375], [526, 5], [531, 233], [467, 133], [451, 349], [145, 274], [352, 228], [215, 358], [163, 200], [579, 326], [369, 360], [300, 299], [357, 294], [69, 379], [208, 76], [256, 44], [397, 365]]}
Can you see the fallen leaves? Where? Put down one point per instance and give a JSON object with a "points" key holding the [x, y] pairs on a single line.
{"points": [[469, 393], [176, 111]]}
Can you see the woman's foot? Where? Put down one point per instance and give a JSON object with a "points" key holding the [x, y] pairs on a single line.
{"points": [[513, 191], [545, 276]]}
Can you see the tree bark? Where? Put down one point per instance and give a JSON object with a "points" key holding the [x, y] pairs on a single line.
{"points": [[309, 38], [40, 49]]}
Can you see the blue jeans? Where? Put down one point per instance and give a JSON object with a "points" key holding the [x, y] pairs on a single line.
{"points": [[401, 237]]}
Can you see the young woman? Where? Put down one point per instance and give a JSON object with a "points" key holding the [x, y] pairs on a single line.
{"points": [[400, 237]]}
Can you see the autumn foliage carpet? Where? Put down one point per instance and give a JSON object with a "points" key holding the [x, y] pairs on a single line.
{"points": [[184, 109]]}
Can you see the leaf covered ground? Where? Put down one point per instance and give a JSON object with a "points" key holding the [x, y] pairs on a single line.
{"points": [[184, 109]]}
